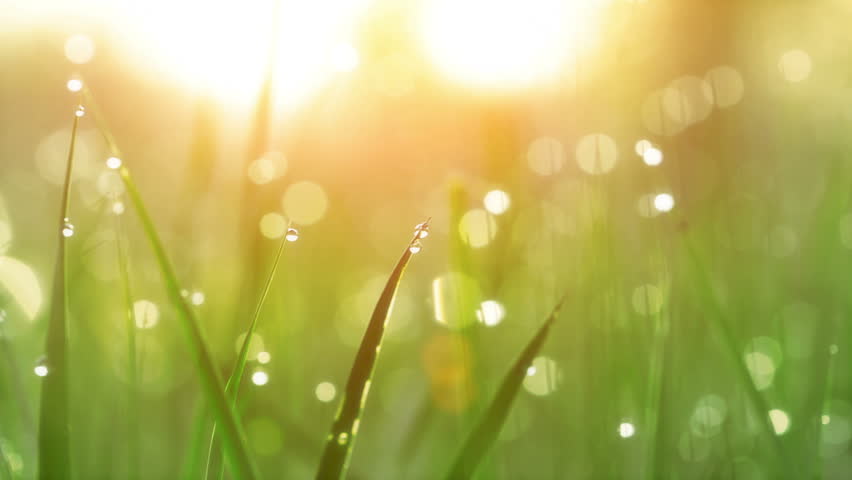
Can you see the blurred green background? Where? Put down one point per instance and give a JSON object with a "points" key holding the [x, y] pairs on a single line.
{"points": [[674, 166]]}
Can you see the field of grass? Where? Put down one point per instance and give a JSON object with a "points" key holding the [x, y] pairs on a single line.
{"points": [[636, 269]]}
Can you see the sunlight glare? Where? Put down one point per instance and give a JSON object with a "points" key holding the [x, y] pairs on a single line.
{"points": [[500, 45], [223, 49]]}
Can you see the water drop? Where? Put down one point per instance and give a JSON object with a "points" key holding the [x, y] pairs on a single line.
{"points": [[41, 366], [343, 438], [292, 235], [67, 228], [422, 230], [626, 430], [118, 208], [113, 162], [531, 371], [415, 247], [81, 110]]}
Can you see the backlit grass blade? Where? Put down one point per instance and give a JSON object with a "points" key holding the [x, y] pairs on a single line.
{"points": [[486, 431], [233, 442], [338, 447], [234, 445], [54, 457], [232, 387]]}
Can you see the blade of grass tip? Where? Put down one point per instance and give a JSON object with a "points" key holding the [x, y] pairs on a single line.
{"points": [[489, 426], [236, 452], [719, 321], [132, 381], [54, 457], [232, 387], [338, 446]]}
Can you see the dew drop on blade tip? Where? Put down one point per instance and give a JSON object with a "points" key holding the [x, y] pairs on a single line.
{"points": [[292, 235], [67, 229], [422, 230], [415, 247], [81, 110]]}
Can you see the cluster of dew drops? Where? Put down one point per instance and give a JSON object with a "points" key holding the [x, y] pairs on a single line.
{"points": [[421, 230]]}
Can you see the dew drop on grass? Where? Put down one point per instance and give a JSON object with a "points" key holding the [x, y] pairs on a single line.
{"points": [[343, 438], [41, 367], [67, 228], [415, 247], [118, 207], [423, 230], [81, 110], [292, 234], [113, 163]]}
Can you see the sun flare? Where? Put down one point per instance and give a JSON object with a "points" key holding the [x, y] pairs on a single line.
{"points": [[503, 44], [226, 49]]}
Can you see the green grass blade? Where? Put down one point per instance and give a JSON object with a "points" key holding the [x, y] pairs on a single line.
{"points": [[338, 446], [54, 456], [233, 441], [132, 381], [232, 387], [486, 431]]}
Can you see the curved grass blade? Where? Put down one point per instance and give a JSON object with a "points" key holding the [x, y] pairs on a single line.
{"points": [[54, 457], [232, 387], [233, 440], [338, 446], [489, 427]]}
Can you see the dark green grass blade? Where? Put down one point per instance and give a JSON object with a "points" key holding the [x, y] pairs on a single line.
{"points": [[232, 387], [233, 441], [486, 432], [54, 458], [338, 446]]}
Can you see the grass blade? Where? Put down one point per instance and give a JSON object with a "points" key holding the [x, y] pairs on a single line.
{"points": [[489, 427], [233, 442], [232, 387], [236, 452], [54, 456], [338, 447]]}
